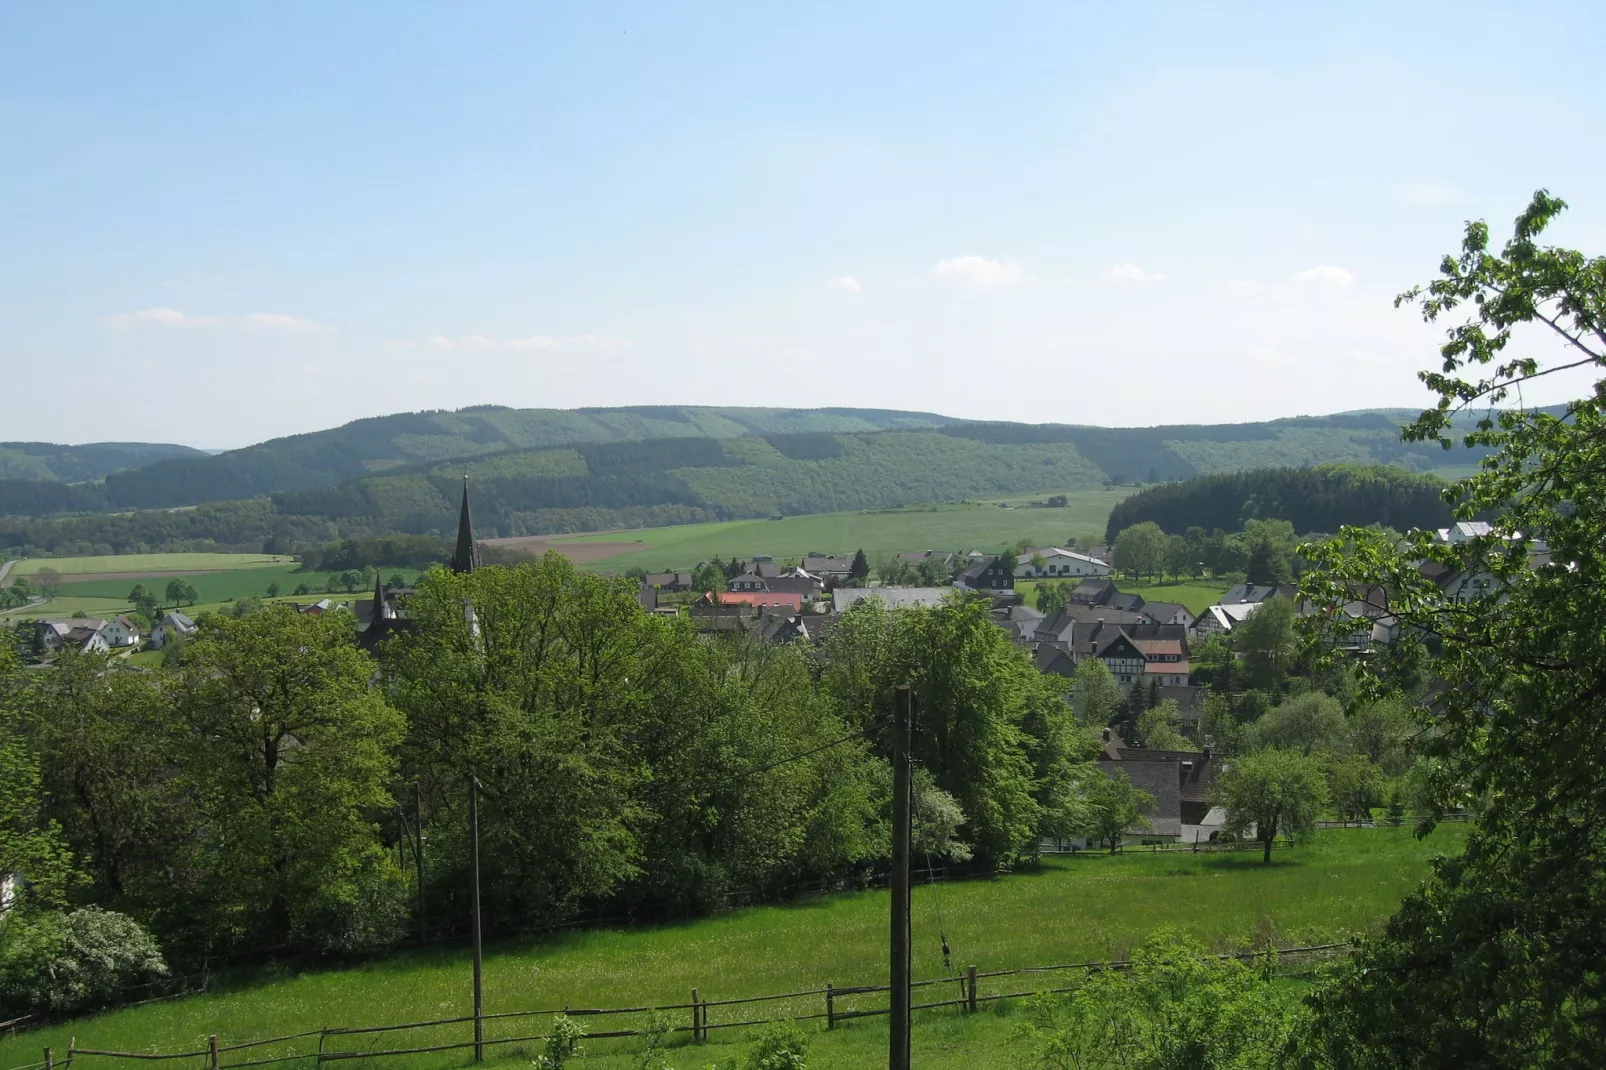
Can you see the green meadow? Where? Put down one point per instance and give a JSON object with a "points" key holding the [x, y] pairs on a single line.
{"points": [[1071, 909], [960, 526], [145, 563], [1195, 594]]}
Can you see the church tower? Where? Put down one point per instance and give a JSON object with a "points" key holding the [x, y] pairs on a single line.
{"points": [[466, 558]]}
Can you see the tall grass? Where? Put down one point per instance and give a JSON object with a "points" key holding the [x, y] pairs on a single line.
{"points": [[1072, 909]]}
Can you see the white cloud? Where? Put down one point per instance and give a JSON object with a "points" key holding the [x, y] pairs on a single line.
{"points": [[1326, 273], [167, 317], [845, 284], [1122, 274], [278, 321], [172, 317], [978, 271], [1242, 287], [535, 341]]}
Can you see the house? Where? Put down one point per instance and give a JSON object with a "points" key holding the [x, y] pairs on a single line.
{"points": [[747, 581], [1061, 628], [948, 561], [174, 625], [58, 634], [1168, 613], [736, 618], [1222, 619], [795, 582], [987, 573], [1093, 592], [1129, 650], [1180, 782], [765, 599], [1465, 531], [1058, 563], [120, 633], [1256, 593], [1020, 621], [1166, 660], [892, 597], [647, 597], [1123, 657], [827, 567], [669, 581], [86, 639]]}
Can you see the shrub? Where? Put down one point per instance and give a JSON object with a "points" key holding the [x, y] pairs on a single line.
{"points": [[562, 1043], [65, 963], [781, 1047]]}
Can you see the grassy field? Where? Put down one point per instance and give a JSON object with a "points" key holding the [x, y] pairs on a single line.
{"points": [[1195, 594], [145, 563], [1072, 909], [934, 527]]}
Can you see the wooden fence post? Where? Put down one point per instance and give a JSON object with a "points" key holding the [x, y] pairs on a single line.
{"points": [[50, 1063], [970, 1000], [696, 1016], [72, 1043], [211, 1051], [323, 1034], [830, 1006]]}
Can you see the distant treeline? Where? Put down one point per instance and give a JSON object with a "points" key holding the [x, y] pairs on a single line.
{"points": [[52, 462], [1320, 499], [384, 551]]}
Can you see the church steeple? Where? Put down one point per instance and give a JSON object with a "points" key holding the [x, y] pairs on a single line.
{"points": [[466, 558], [381, 610]]}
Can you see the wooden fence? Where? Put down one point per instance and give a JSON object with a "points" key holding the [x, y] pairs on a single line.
{"points": [[831, 1004]]}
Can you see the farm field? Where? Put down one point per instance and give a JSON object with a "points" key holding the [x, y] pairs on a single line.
{"points": [[145, 563], [933, 527], [1093, 906]]}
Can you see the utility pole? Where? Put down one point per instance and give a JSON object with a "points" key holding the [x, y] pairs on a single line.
{"points": [[479, 962], [418, 854], [898, 1041]]}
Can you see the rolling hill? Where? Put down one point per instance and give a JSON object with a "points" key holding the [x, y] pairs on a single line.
{"points": [[48, 462]]}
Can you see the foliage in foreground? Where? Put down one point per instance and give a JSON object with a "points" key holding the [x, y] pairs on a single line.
{"points": [[1496, 962], [1176, 1008]]}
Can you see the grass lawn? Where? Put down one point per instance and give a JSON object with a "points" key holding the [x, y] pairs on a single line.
{"points": [[1195, 594], [1073, 909], [144, 563], [931, 527], [66, 606]]}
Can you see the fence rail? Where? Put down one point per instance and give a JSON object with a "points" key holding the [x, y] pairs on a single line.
{"points": [[838, 1004]]}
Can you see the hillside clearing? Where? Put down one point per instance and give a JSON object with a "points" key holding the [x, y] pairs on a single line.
{"points": [[1072, 909], [959, 526]]}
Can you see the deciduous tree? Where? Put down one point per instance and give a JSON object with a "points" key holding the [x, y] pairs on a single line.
{"points": [[1272, 792]]}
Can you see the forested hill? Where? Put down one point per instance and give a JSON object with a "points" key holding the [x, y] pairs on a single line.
{"points": [[380, 443], [50, 462], [1319, 499]]}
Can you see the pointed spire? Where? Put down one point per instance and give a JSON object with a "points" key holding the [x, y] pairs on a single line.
{"points": [[381, 610], [466, 558]]}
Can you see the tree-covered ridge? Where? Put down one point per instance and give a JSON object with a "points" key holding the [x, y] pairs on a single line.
{"points": [[1151, 454], [324, 458], [49, 462], [1320, 499]]}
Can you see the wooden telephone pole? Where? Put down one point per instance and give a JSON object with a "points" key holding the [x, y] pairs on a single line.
{"points": [[479, 961], [898, 1040]]}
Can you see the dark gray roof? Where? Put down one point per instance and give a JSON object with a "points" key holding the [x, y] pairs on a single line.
{"points": [[1160, 780]]}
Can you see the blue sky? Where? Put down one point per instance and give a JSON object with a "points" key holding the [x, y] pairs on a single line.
{"points": [[225, 222]]}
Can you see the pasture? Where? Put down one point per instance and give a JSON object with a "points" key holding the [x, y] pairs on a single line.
{"points": [[1092, 906], [960, 526], [1195, 594], [145, 563]]}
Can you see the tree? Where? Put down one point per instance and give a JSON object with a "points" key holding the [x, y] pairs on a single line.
{"points": [[31, 846], [1113, 807], [48, 580], [1494, 962], [1309, 723], [859, 571], [1052, 597], [1355, 784], [1267, 644], [302, 589], [273, 589], [1158, 727], [1039, 563], [350, 580], [708, 576], [63, 963], [143, 600], [1096, 698], [1140, 550], [1178, 557], [291, 755], [181, 592], [1271, 546], [1272, 792]]}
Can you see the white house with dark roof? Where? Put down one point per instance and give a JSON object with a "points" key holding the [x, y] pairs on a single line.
{"points": [[1057, 564], [174, 625]]}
